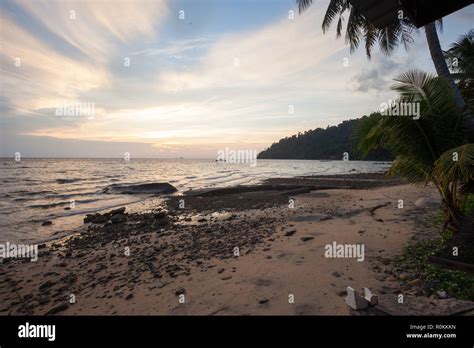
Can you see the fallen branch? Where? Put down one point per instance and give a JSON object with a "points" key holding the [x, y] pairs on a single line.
{"points": [[452, 264], [372, 211]]}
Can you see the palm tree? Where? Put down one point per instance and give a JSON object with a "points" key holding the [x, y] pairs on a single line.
{"points": [[433, 149], [460, 58], [442, 69], [389, 38]]}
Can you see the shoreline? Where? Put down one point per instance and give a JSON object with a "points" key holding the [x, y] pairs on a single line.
{"points": [[65, 226], [145, 263], [62, 197]]}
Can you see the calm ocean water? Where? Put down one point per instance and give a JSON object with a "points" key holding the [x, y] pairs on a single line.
{"points": [[64, 190]]}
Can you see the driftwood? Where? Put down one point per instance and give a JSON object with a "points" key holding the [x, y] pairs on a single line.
{"points": [[372, 210], [256, 188], [416, 305], [456, 265], [297, 191]]}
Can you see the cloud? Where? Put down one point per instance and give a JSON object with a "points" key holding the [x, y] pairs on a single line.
{"points": [[227, 94], [177, 49], [94, 27], [378, 77], [35, 77], [281, 53], [195, 92]]}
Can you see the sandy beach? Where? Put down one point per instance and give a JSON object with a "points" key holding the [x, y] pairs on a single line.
{"points": [[235, 253]]}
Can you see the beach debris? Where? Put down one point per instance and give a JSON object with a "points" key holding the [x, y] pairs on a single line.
{"points": [[415, 283], [441, 294], [46, 284], [151, 188], [287, 189], [370, 297], [372, 210], [263, 301], [336, 274], [160, 213], [289, 233], [118, 218], [115, 215], [354, 300], [46, 223], [314, 217], [42, 300], [180, 291], [297, 191], [59, 308], [403, 276], [427, 201], [95, 218], [120, 210], [305, 239]]}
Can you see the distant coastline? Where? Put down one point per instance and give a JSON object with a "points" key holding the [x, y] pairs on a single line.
{"points": [[331, 143]]}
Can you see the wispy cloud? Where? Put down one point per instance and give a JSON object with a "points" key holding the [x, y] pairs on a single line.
{"points": [[94, 26], [188, 94], [36, 77]]}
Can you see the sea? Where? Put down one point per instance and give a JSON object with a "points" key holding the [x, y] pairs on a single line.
{"points": [[64, 190]]}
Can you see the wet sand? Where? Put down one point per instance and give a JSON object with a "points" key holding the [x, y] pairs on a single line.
{"points": [[240, 253]]}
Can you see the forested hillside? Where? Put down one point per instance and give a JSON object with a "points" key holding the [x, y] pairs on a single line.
{"points": [[329, 143]]}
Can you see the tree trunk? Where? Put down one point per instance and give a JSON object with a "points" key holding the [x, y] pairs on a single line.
{"points": [[443, 71]]}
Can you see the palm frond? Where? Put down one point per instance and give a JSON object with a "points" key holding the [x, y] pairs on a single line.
{"points": [[413, 84], [457, 163], [303, 4], [370, 33], [367, 133], [353, 30], [335, 8], [411, 169], [339, 26], [460, 57], [406, 30], [388, 39]]}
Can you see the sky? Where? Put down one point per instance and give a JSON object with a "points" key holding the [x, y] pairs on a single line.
{"points": [[172, 79]]}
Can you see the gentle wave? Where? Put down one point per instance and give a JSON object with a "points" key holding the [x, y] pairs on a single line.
{"points": [[39, 189], [55, 204], [67, 181]]}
